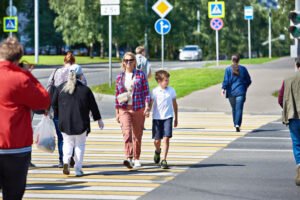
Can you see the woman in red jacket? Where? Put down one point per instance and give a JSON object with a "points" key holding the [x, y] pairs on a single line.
{"points": [[20, 92]]}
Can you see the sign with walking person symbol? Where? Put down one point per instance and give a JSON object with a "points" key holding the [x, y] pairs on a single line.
{"points": [[216, 9], [162, 26], [216, 24], [10, 24]]}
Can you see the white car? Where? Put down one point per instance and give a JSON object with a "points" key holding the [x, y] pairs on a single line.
{"points": [[190, 52]]}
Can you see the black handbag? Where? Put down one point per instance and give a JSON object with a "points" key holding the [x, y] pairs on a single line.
{"points": [[52, 87]]}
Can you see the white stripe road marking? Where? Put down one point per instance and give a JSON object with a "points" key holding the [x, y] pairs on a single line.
{"points": [[174, 141], [269, 138], [78, 196], [149, 138], [262, 150]]}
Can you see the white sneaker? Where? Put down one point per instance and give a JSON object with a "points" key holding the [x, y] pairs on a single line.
{"points": [[79, 172], [137, 164], [127, 163]]}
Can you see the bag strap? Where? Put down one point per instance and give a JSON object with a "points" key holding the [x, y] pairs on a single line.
{"points": [[52, 81]]}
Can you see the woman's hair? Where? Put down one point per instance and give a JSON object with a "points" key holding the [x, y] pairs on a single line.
{"points": [[69, 87], [69, 58], [235, 58], [11, 49], [161, 74], [123, 66]]}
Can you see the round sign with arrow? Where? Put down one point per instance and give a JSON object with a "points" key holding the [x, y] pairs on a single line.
{"points": [[162, 26]]}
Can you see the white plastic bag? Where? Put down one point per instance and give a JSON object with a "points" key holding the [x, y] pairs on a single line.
{"points": [[44, 135]]}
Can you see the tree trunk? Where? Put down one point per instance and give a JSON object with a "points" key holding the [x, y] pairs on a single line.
{"points": [[117, 50], [102, 49], [91, 50]]}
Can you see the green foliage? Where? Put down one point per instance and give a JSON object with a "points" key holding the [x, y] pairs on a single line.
{"points": [[256, 61], [185, 81]]}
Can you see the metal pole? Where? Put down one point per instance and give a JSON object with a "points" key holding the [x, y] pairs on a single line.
{"points": [[198, 19], [146, 31], [110, 47], [36, 30], [297, 8], [217, 47], [249, 39], [162, 44], [10, 14], [270, 42]]}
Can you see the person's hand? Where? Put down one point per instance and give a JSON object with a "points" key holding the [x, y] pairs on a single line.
{"points": [[223, 92], [118, 118], [175, 122], [46, 112], [101, 124], [147, 112]]}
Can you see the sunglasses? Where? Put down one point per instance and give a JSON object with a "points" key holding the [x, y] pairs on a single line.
{"points": [[128, 60]]}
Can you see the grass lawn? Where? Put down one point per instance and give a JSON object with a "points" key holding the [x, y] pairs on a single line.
{"points": [[59, 60], [185, 81], [244, 61], [276, 94]]}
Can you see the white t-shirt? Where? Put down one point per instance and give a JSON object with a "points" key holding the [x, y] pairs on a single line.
{"points": [[163, 102], [128, 83]]}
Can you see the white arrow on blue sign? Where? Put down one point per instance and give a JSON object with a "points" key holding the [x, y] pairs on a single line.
{"points": [[162, 26]]}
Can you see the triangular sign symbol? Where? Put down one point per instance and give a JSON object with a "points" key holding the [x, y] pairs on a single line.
{"points": [[216, 10], [10, 25]]}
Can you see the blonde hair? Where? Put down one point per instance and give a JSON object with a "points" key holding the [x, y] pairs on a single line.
{"points": [[139, 50], [11, 49], [123, 66], [69, 87]]}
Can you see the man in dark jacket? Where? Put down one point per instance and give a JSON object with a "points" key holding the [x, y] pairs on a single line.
{"points": [[72, 103], [20, 92]]}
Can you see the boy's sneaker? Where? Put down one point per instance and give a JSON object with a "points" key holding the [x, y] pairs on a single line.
{"points": [[137, 164], [164, 164], [156, 157], [60, 164], [78, 172], [297, 179], [127, 163], [237, 129], [66, 169], [72, 162]]}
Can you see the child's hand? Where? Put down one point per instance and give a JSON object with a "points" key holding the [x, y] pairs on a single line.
{"points": [[147, 112], [175, 122]]}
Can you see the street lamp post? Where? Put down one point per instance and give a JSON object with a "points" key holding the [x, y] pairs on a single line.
{"points": [[10, 13], [36, 30]]}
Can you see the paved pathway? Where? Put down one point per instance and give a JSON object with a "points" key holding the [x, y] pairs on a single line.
{"points": [[199, 136]]}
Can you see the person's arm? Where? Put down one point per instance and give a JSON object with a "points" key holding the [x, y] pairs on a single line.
{"points": [[175, 107], [94, 107], [281, 94], [225, 83], [83, 80], [150, 74], [117, 115], [54, 103], [248, 79], [145, 88]]}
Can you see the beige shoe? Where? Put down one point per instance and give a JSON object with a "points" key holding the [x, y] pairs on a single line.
{"points": [[297, 179]]}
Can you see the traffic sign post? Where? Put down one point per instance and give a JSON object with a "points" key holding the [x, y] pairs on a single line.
{"points": [[248, 14], [216, 10], [162, 26], [109, 8], [10, 24]]}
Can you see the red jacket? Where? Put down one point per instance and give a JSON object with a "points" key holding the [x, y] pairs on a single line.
{"points": [[20, 92]]}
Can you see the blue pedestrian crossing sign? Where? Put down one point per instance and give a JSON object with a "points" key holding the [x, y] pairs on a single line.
{"points": [[216, 9], [162, 26], [10, 24]]}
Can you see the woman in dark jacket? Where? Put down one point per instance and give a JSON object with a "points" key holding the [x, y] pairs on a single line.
{"points": [[236, 82], [72, 102]]}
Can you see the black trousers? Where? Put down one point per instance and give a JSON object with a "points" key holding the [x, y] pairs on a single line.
{"points": [[13, 173]]}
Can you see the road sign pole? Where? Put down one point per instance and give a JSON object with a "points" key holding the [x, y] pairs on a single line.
{"points": [[36, 30], [162, 44], [110, 47], [270, 37], [10, 14], [217, 46], [249, 39]]}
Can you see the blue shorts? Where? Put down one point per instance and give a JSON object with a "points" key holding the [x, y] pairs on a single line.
{"points": [[162, 128]]}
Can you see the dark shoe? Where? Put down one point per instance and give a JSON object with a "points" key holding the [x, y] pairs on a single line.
{"points": [[31, 164], [164, 164], [237, 129], [60, 164], [128, 164], [156, 157], [72, 162], [297, 179], [66, 169]]}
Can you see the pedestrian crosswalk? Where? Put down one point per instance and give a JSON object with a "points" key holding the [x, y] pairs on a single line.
{"points": [[198, 136]]}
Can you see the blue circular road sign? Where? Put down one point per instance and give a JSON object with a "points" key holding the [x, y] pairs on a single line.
{"points": [[162, 26]]}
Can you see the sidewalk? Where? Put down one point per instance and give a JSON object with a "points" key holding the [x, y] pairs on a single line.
{"points": [[266, 79]]}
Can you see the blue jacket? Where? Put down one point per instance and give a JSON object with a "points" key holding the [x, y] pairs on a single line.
{"points": [[236, 85]]}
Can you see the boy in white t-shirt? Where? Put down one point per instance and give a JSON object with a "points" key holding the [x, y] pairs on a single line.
{"points": [[163, 100]]}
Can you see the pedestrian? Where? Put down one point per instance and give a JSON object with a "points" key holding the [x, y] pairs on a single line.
{"points": [[58, 77], [72, 103], [289, 100], [132, 105], [20, 92], [165, 108], [142, 62], [235, 84]]}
